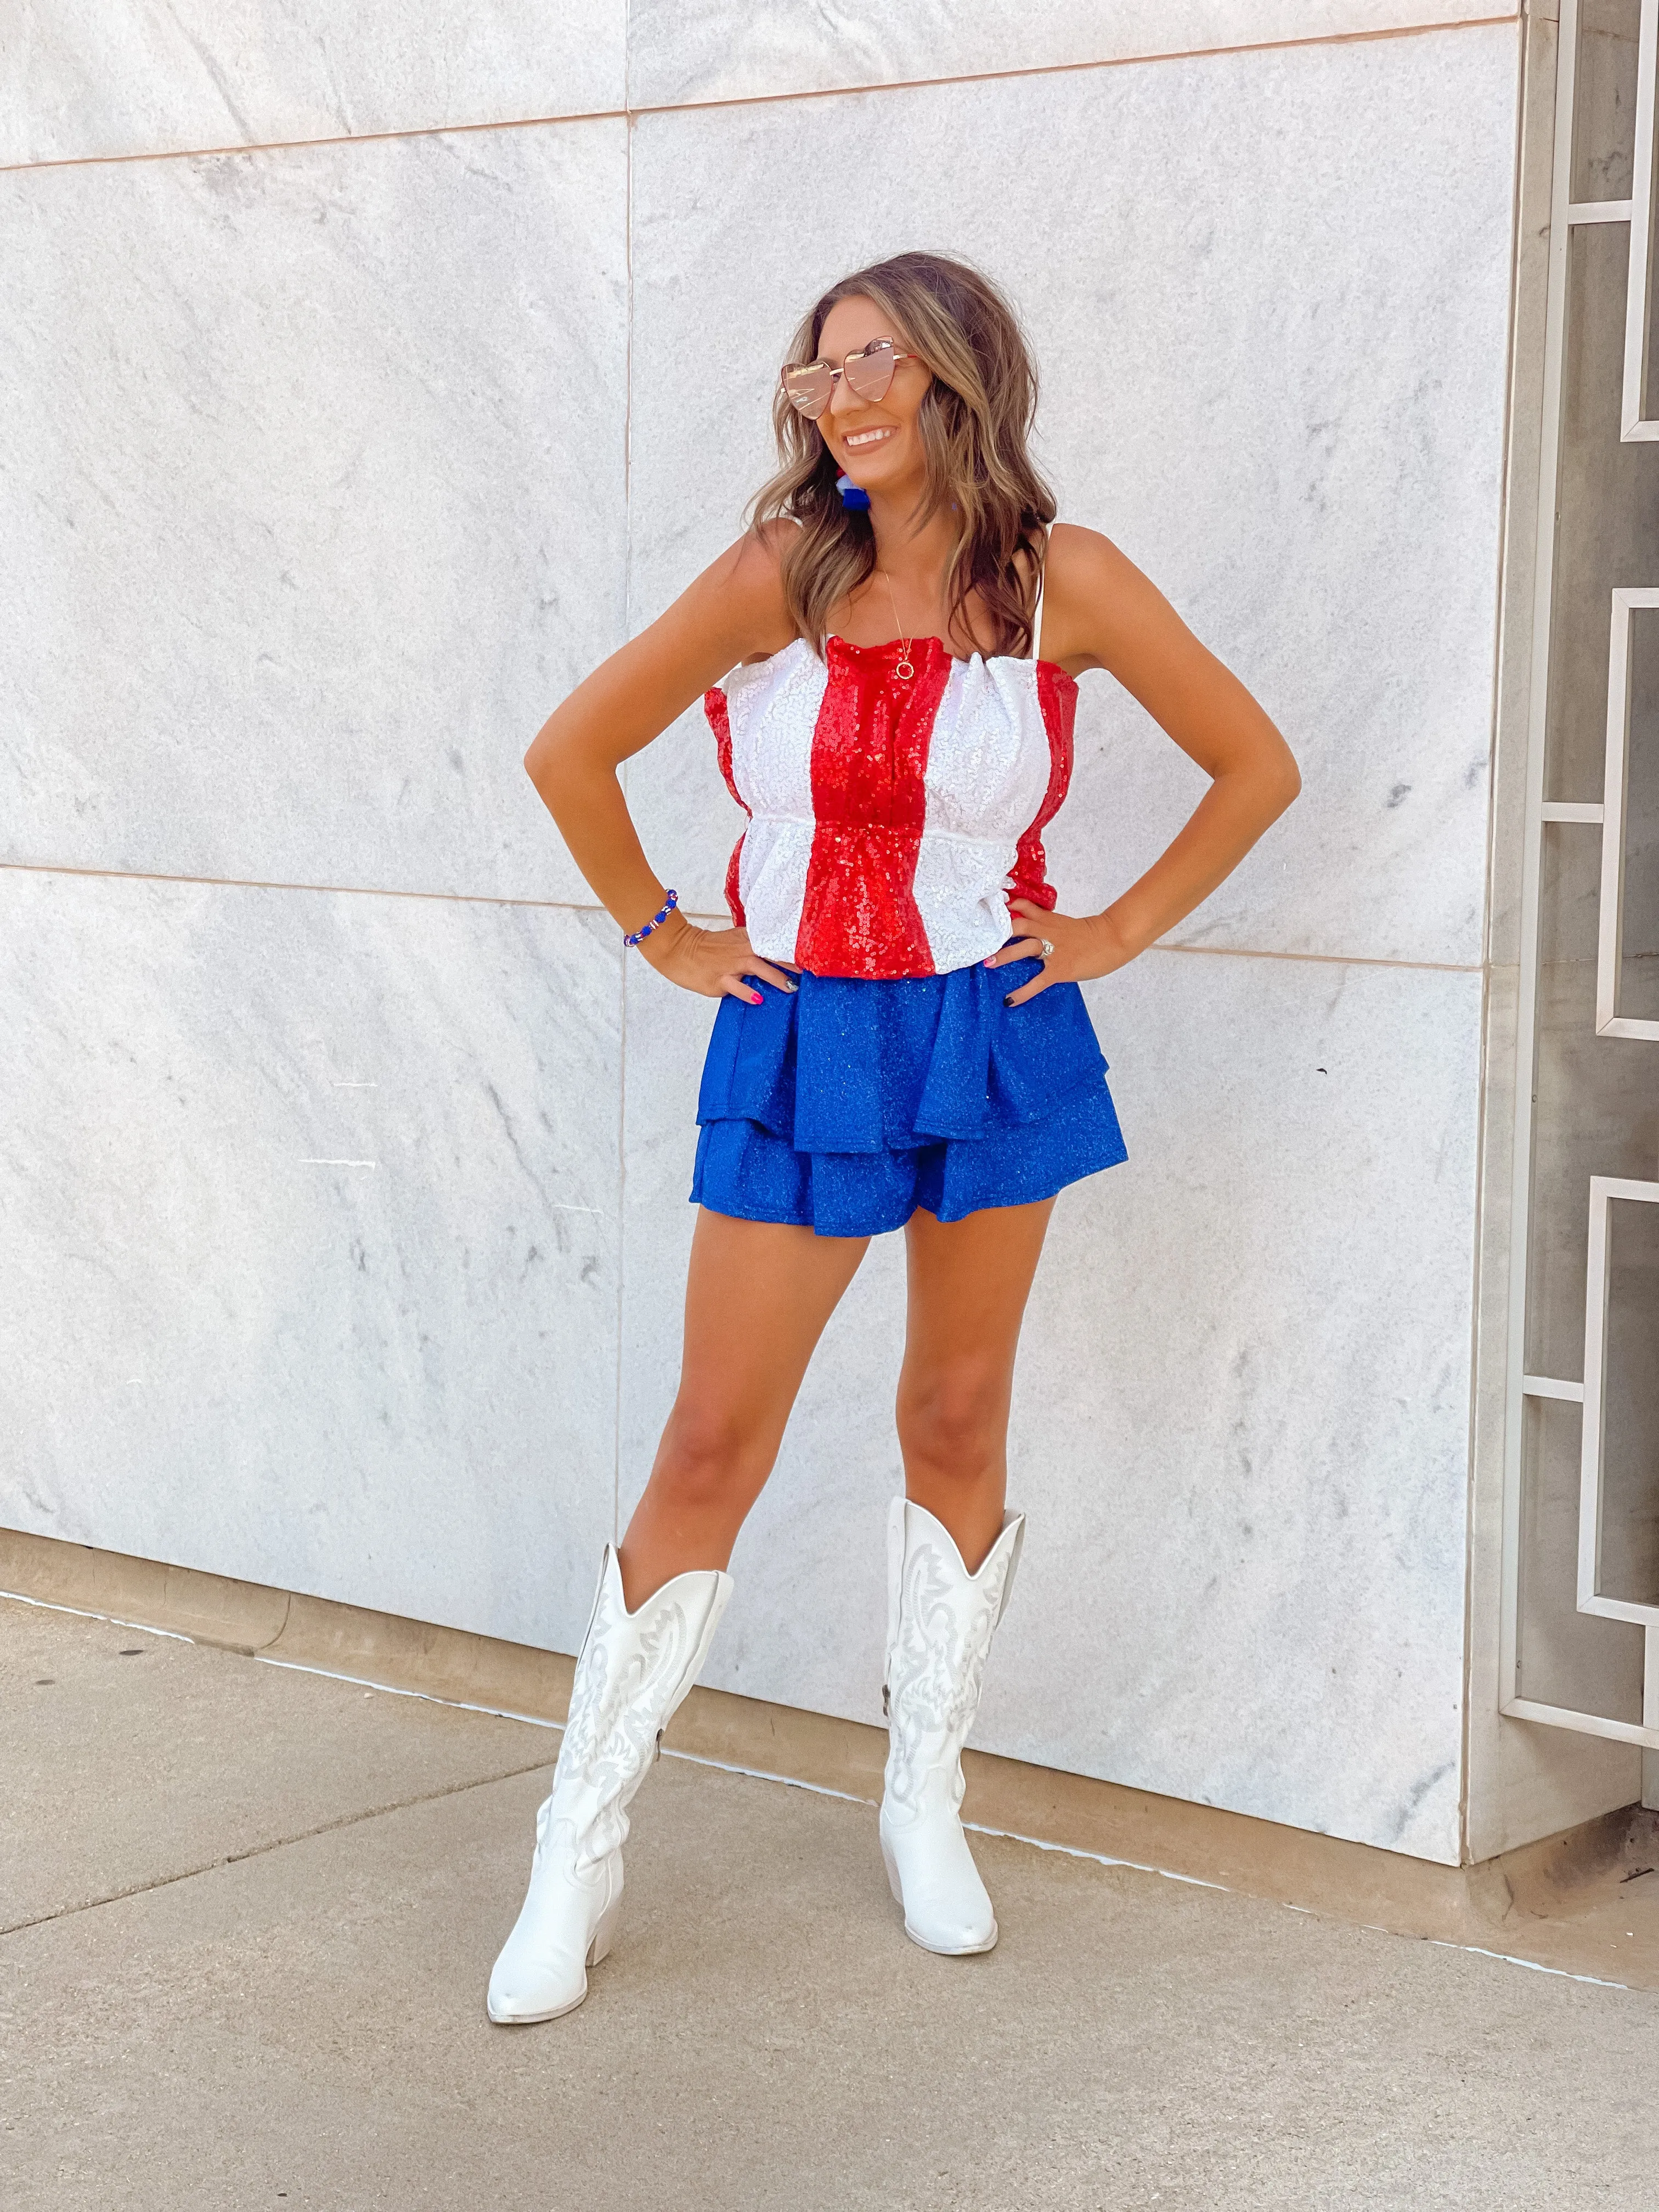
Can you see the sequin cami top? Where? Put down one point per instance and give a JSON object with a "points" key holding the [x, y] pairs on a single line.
{"points": [[891, 819]]}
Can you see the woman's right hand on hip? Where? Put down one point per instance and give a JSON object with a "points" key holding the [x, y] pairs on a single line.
{"points": [[713, 962]]}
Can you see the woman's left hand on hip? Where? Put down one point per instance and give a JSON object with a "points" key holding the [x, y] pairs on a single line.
{"points": [[1073, 948]]}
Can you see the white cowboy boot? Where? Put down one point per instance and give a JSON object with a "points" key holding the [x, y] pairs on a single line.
{"points": [[940, 1620], [633, 1671]]}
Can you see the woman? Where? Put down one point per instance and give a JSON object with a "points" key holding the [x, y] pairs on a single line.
{"points": [[888, 661]]}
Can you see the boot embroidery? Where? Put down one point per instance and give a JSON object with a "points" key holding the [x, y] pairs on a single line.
{"points": [[935, 1672], [615, 1723]]}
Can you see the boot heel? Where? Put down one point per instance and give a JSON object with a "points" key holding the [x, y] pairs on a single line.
{"points": [[600, 1946], [892, 1864]]}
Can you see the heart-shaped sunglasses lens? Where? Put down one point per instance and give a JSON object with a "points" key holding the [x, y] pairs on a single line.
{"points": [[868, 375], [810, 388], [870, 372]]}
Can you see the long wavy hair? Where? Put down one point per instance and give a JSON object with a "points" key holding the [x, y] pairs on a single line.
{"points": [[974, 422]]}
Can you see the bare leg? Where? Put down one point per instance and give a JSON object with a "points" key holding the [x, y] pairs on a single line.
{"points": [[968, 1281], [757, 1297]]}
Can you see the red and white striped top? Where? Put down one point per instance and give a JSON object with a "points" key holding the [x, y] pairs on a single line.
{"points": [[891, 819]]}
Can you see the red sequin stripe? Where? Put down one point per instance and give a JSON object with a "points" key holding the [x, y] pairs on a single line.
{"points": [[860, 916], [720, 721], [1057, 697]]}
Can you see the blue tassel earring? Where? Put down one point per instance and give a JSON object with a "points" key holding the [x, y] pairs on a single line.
{"points": [[850, 494]]}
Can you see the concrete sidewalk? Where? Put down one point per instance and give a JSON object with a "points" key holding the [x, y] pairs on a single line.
{"points": [[248, 1914]]}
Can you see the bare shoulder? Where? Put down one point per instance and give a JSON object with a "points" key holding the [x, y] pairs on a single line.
{"points": [[741, 596], [1081, 560], [756, 559], [1095, 600]]}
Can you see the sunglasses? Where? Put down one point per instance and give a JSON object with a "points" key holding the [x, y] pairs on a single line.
{"points": [[868, 374]]}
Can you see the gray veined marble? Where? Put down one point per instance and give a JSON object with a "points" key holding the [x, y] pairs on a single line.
{"points": [[1272, 322], [91, 78], [1241, 1422], [312, 478], [311, 1241], [686, 50]]}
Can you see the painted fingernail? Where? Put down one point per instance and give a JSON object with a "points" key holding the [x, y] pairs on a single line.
{"points": [[1007, 998], [753, 998]]}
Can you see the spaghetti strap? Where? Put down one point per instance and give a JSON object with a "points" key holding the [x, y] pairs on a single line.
{"points": [[1036, 615]]}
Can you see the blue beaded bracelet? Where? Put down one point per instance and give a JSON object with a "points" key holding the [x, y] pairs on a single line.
{"points": [[656, 920]]}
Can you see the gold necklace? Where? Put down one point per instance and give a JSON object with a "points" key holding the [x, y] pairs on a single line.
{"points": [[904, 670]]}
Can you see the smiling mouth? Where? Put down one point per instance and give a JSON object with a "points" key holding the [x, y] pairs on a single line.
{"points": [[855, 441]]}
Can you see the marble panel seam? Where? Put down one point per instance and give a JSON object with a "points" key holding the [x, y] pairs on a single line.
{"points": [[692, 913], [773, 99], [1481, 22], [1324, 959], [622, 978], [335, 138], [265, 883]]}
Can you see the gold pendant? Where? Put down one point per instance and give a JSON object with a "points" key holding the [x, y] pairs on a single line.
{"points": [[904, 671]]}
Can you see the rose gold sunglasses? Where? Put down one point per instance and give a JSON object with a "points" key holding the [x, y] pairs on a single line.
{"points": [[868, 374]]}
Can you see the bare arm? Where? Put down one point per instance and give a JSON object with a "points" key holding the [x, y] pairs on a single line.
{"points": [[1099, 611], [733, 612]]}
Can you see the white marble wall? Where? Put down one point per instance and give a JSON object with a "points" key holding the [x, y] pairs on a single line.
{"points": [[86, 78], [310, 1238], [89, 78], [326, 484], [314, 498], [688, 50]]}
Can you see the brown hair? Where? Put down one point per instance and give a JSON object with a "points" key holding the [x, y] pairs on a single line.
{"points": [[974, 423]]}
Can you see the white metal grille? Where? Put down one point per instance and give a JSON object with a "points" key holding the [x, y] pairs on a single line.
{"points": [[1615, 1110]]}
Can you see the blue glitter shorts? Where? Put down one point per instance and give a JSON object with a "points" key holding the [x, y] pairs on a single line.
{"points": [[845, 1105]]}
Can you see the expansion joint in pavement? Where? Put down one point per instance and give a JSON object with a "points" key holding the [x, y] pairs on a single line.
{"points": [[275, 1843]]}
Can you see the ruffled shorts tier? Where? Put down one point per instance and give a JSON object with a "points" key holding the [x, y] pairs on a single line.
{"points": [[846, 1104]]}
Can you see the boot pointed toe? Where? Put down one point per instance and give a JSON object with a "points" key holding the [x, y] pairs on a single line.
{"points": [[958, 1940], [520, 2001]]}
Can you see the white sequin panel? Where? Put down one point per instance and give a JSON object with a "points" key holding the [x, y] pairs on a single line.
{"points": [[772, 884], [773, 709], [987, 759], [962, 896], [987, 774]]}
